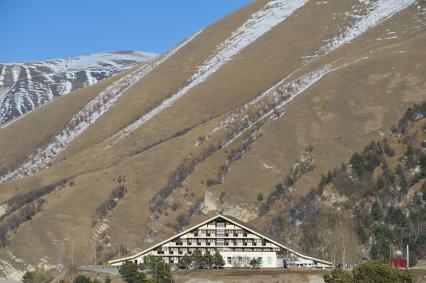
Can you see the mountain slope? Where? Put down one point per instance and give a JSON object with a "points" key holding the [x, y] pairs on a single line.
{"points": [[373, 204], [209, 126], [25, 86]]}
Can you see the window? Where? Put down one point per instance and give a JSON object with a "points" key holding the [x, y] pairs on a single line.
{"points": [[269, 260], [219, 242], [220, 233], [228, 259], [220, 224]]}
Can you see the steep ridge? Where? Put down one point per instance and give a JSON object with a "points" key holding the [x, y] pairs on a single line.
{"points": [[84, 118], [26, 86], [259, 23], [192, 137]]}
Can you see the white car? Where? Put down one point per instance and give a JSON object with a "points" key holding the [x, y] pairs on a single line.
{"points": [[304, 262]]}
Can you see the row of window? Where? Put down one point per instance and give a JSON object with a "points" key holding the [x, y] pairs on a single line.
{"points": [[240, 260], [229, 260], [226, 233], [220, 242], [182, 251]]}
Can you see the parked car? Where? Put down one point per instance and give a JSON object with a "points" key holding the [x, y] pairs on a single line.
{"points": [[304, 262]]}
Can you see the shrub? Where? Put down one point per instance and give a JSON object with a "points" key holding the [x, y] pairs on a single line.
{"points": [[362, 234], [37, 276], [338, 276], [82, 279], [376, 212], [208, 260], [159, 270], [185, 262], [117, 194], [379, 272], [197, 258], [255, 263], [129, 272], [218, 260]]}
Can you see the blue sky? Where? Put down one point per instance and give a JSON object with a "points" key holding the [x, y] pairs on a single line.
{"points": [[43, 29]]}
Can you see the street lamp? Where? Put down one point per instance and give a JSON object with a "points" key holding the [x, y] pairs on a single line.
{"points": [[96, 251], [72, 252], [119, 248], [59, 244]]}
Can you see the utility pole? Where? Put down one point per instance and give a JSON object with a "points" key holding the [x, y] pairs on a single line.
{"points": [[72, 254], [408, 257], [59, 244], [59, 253], [344, 255], [155, 270]]}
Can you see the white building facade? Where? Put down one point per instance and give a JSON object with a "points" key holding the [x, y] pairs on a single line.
{"points": [[235, 241]]}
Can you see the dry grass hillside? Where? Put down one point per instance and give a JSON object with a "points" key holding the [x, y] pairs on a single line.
{"points": [[276, 88]]}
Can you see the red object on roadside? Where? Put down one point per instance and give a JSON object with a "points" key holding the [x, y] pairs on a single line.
{"points": [[400, 262]]}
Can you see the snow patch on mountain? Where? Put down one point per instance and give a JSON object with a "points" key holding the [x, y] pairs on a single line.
{"points": [[279, 96], [257, 25], [86, 117], [29, 85], [376, 13]]}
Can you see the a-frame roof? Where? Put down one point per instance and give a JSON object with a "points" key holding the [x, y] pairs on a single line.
{"points": [[232, 220]]}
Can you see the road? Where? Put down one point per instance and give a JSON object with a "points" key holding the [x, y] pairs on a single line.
{"points": [[99, 269]]}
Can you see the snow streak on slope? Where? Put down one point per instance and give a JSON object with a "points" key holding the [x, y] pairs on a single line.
{"points": [[277, 97], [375, 13], [86, 117], [258, 24], [31, 84]]}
